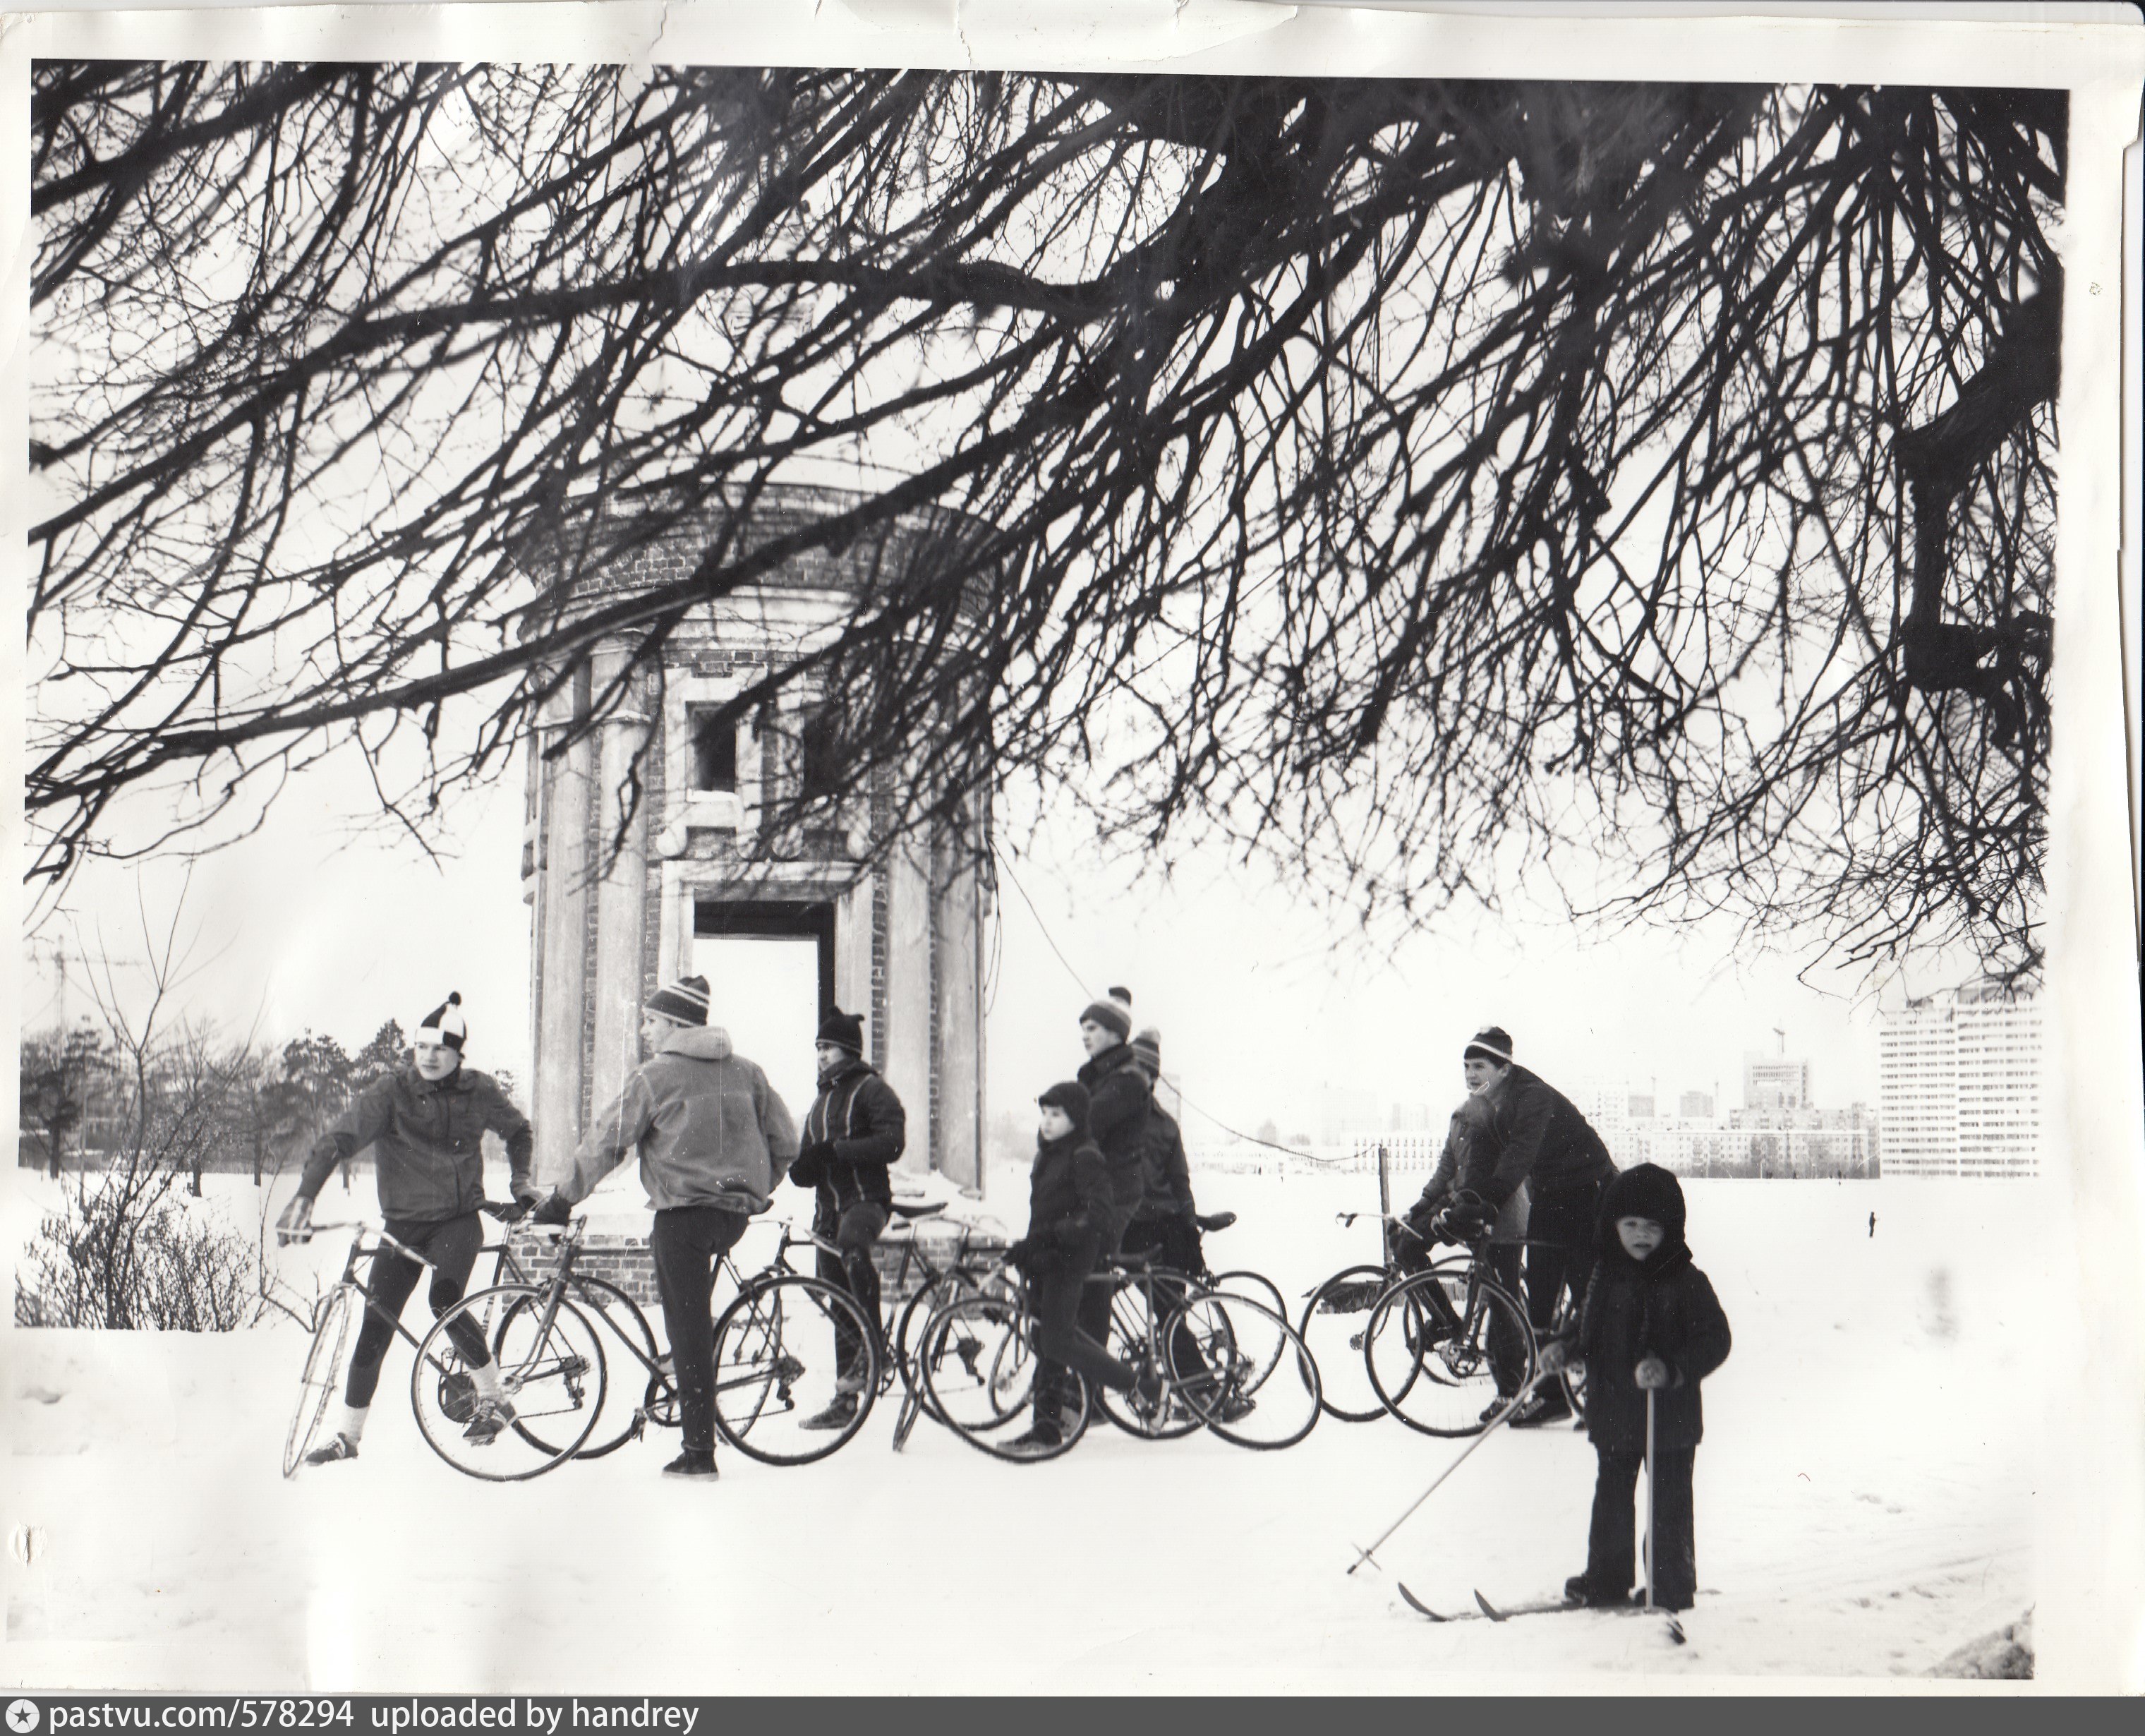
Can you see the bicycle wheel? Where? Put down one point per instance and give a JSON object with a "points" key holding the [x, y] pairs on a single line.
{"points": [[1256, 1384], [777, 1367], [978, 1362], [596, 1298], [551, 1370], [1254, 1287], [1442, 1347], [1333, 1325], [1134, 1341], [616, 1313], [316, 1384]]}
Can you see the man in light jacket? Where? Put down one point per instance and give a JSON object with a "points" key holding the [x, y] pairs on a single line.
{"points": [[713, 1139]]}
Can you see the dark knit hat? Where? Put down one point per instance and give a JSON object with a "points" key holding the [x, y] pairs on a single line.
{"points": [[443, 1025], [1071, 1097], [1492, 1043], [1147, 1052], [1645, 1189], [846, 1030], [685, 1000], [1114, 1013]]}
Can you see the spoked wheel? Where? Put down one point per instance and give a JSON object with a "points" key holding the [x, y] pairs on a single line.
{"points": [[1436, 1345], [551, 1371], [1134, 1341], [978, 1362], [316, 1384], [1254, 1287], [1256, 1383], [1335, 1321], [780, 1353], [617, 1317]]}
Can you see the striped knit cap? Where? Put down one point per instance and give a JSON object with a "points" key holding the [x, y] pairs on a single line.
{"points": [[685, 1000], [1114, 1013], [443, 1025]]}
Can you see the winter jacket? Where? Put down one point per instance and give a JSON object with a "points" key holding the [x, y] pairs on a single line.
{"points": [[709, 1128], [1663, 1308], [1537, 1136], [1165, 1178], [857, 1113], [425, 1136], [1120, 1102], [1465, 1164], [1069, 1194]]}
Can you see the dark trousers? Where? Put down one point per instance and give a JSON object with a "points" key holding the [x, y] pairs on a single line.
{"points": [[854, 1229], [1162, 1236], [1560, 1228], [686, 1241], [452, 1248], [1611, 1563], [1508, 1349], [1092, 1309], [1055, 1295]]}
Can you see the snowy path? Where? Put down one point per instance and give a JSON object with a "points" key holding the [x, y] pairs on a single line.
{"points": [[1864, 1507]]}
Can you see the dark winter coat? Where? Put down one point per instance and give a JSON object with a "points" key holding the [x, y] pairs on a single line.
{"points": [[1537, 1136], [1120, 1102], [858, 1114], [1663, 1308], [1464, 1166], [1165, 1176], [1069, 1195], [426, 1138]]}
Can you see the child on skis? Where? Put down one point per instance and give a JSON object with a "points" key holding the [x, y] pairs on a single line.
{"points": [[1651, 1323]]}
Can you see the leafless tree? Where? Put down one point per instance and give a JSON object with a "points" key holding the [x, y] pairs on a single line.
{"points": [[1412, 480]]}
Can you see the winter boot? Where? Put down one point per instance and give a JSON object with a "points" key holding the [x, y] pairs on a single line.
{"points": [[1039, 1442], [1581, 1590], [1540, 1410], [693, 1466], [838, 1415], [338, 1446]]}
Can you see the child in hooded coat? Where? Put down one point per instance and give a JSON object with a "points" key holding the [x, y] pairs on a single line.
{"points": [[1071, 1203], [1650, 1319]]}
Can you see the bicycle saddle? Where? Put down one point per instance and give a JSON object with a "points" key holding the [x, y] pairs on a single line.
{"points": [[926, 1208], [1136, 1262], [1219, 1220]]}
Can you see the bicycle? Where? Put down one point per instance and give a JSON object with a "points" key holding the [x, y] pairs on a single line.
{"points": [[904, 1316], [1333, 1322], [1439, 1340], [554, 1369], [975, 1359], [1214, 1352]]}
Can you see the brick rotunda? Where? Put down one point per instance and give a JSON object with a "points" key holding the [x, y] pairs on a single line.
{"points": [[701, 878]]}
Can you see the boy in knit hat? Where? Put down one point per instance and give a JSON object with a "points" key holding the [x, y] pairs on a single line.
{"points": [[1120, 1101], [425, 1123], [1649, 1323], [1069, 1200], [714, 1140], [853, 1132]]}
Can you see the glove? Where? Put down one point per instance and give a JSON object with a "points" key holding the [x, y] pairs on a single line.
{"points": [[1020, 1252], [1653, 1372], [294, 1224], [1467, 1219], [513, 1212], [555, 1209], [1554, 1357], [813, 1164]]}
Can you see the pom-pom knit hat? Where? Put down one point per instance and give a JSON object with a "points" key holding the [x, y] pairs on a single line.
{"points": [[846, 1030], [1147, 1052], [1492, 1043], [1113, 1012], [443, 1025], [685, 1000]]}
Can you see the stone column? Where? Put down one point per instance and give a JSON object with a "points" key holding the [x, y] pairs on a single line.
{"points": [[908, 998], [562, 916], [960, 1059], [621, 893]]}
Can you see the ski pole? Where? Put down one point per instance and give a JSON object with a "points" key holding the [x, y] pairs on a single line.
{"points": [[1649, 1497], [1516, 1399]]}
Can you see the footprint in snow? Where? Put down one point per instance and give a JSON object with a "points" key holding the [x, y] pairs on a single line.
{"points": [[40, 1394]]}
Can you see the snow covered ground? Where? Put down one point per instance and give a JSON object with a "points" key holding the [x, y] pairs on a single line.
{"points": [[1864, 1508]]}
